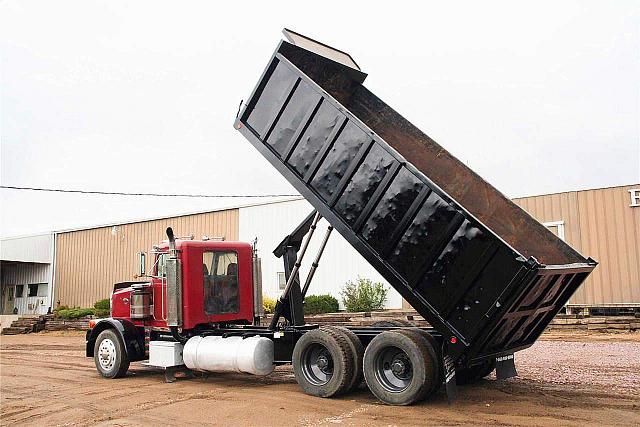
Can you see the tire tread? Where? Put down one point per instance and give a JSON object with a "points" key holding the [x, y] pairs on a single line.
{"points": [[123, 360], [344, 358], [357, 349]]}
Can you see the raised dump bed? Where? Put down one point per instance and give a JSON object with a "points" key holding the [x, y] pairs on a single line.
{"points": [[482, 271]]}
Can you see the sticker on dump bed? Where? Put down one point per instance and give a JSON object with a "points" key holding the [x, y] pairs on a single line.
{"points": [[504, 358]]}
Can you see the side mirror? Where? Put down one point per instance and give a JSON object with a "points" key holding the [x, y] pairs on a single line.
{"points": [[142, 264]]}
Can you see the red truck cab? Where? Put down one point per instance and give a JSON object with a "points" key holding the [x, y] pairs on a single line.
{"points": [[217, 286]]}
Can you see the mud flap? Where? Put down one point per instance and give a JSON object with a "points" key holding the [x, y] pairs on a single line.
{"points": [[450, 378], [505, 367]]}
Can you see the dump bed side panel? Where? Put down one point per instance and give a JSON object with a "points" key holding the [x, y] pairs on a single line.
{"points": [[458, 274], [485, 202], [481, 199]]}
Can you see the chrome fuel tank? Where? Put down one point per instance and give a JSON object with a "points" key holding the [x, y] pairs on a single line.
{"points": [[253, 355]]}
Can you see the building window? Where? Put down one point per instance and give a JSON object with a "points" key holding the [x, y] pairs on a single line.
{"points": [[33, 290], [556, 227], [43, 289], [11, 290], [635, 197], [19, 291], [220, 276], [282, 281]]}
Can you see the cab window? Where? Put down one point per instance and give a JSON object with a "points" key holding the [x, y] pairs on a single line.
{"points": [[220, 277], [160, 265]]}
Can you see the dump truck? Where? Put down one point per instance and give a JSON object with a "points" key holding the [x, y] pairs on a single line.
{"points": [[486, 276]]}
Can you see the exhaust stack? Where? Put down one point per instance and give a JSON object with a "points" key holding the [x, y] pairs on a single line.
{"points": [[174, 283]]}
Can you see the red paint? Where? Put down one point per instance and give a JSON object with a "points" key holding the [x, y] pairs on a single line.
{"points": [[193, 314]]}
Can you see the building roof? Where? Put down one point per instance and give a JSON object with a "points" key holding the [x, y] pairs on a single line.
{"points": [[576, 191], [205, 211]]}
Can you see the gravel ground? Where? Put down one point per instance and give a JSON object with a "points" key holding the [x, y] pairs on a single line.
{"points": [[564, 379], [614, 366]]}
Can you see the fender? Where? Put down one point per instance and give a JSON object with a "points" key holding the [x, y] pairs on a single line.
{"points": [[131, 336]]}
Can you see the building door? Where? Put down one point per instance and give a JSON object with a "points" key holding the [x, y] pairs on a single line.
{"points": [[8, 298]]}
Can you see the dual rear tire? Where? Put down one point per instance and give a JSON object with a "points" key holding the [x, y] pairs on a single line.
{"points": [[328, 361], [400, 366]]}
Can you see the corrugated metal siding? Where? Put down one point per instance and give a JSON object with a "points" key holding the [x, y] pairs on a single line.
{"points": [[598, 223], [339, 263], [89, 262], [27, 249], [556, 207], [27, 274]]}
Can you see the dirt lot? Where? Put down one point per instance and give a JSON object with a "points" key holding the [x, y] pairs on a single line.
{"points": [[564, 380]]}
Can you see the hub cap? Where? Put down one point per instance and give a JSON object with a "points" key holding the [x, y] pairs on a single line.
{"points": [[393, 369], [317, 364], [107, 354]]}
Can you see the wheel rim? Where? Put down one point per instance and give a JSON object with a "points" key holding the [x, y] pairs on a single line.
{"points": [[393, 369], [107, 354], [317, 364]]}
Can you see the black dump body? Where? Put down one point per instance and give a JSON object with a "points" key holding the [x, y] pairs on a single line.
{"points": [[469, 260]]}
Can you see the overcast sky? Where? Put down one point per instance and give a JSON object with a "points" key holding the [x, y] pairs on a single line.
{"points": [[141, 96]]}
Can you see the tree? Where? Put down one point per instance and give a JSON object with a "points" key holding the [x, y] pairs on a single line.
{"points": [[363, 295]]}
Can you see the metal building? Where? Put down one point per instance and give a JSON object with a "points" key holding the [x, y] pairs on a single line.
{"points": [[601, 223], [90, 260], [604, 224], [26, 274], [340, 262]]}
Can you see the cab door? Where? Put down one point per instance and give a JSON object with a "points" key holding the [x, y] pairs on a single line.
{"points": [[217, 283], [220, 282]]}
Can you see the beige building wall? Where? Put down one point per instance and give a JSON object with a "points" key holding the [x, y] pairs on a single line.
{"points": [[88, 262], [601, 224]]}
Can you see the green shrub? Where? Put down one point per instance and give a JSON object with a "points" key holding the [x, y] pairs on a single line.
{"points": [[60, 307], [363, 295], [317, 304], [101, 312], [103, 304], [75, 313], [269, 304]]}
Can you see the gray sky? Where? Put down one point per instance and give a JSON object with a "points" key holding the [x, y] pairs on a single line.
{"points": [[122, 96]]}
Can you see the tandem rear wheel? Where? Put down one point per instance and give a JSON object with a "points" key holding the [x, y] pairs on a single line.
{"points": [[327, 361], [400, 366]]}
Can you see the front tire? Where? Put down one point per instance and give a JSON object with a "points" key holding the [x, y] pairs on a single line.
{"points": [[109, 355]]}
